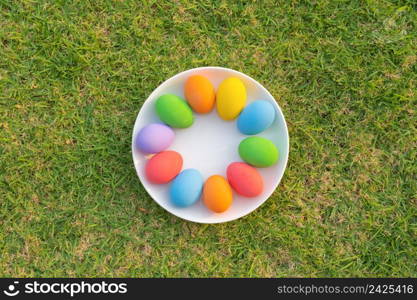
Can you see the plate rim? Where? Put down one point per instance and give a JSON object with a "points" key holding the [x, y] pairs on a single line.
{"points": [[156, 90]]}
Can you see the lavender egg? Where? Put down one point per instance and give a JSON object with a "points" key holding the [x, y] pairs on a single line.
{"points": [[154, 138]]}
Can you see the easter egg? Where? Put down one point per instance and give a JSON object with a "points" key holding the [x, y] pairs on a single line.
{"points": [[258, 151], [217, 194], [244, 179], [199, 93], [256, 117], [174, 111], [230, 98], [186, 188], [154, 138], [163, 167]]}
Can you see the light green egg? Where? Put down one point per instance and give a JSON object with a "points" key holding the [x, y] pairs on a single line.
{"points": [[174, 111], [258, 151]]}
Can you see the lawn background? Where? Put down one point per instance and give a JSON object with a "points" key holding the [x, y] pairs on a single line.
{"points": [[74, 74]]}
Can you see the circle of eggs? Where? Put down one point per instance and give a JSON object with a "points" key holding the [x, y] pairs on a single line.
{"points": [[187, 186], [231, 100]]}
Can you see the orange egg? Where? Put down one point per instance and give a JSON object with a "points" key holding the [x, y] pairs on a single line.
{"points": [[217, 194], [199, 93]]}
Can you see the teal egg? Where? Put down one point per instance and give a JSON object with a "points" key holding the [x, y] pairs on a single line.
{"points": [[256, 117], [186, 188]]}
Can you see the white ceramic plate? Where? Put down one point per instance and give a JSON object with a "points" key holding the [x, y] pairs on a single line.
{"points": [[210, 145]]}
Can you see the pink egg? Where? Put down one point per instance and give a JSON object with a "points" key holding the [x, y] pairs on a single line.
{"points": [[163, 167], [154, 138], [244, 179]]}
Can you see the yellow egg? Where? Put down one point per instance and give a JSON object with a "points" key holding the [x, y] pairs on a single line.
{"points": [[231, 98]]}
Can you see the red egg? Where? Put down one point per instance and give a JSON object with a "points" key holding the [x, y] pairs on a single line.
{"points": [[163, 167], [244, 179]]}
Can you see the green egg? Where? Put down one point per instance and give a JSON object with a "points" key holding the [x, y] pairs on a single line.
{"points": [[174, 111], [258, 151]]}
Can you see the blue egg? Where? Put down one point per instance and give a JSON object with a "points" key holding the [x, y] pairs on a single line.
{"points": [[186, 188], [256, 117]]}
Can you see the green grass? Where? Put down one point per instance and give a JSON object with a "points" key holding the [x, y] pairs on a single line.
{"points": [[74, 74]]}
